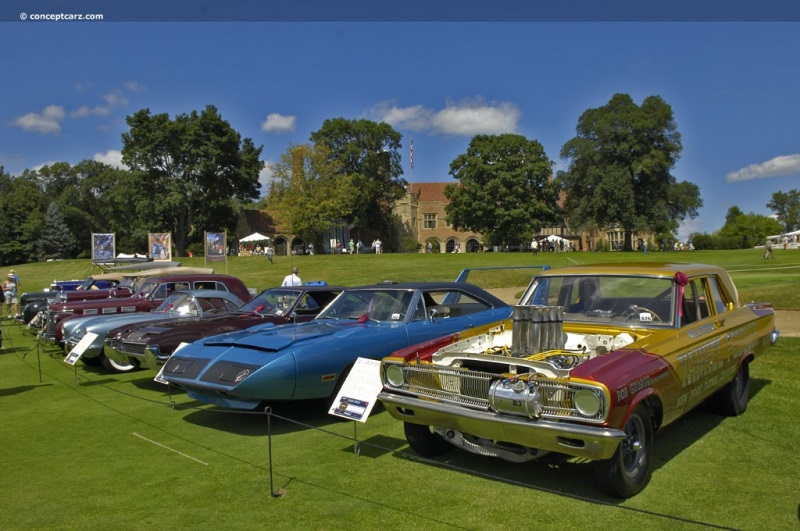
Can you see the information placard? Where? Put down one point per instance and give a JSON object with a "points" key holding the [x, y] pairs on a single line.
{"points": [[359, 392]]}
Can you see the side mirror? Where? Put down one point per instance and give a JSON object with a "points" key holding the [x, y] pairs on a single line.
{"points": [[433, 314]]}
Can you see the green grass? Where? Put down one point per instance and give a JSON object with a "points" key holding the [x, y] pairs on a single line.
{"points": [[773, 280], [80, 449]]}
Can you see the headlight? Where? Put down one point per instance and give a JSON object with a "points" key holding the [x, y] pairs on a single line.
{"points": [[587, 402], [394, 375]]}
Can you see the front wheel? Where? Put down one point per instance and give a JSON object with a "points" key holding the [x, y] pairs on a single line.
{"points": [[425, 441], [115, 366], [628, 471]]}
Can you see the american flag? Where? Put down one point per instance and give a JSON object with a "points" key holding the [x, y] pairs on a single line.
{"points": [[412, 154]]}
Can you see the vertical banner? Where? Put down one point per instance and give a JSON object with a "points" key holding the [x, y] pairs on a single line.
{"points": [[159, 244], [103, 247], [216, 247]]}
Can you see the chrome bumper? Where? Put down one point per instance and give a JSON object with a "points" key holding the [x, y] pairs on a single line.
{"points": [[578, 440], [146, 360]]}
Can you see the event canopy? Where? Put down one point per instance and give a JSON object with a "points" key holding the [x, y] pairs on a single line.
{"points": [[255, 237]]}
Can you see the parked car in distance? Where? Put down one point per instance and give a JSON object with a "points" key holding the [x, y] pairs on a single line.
{"points": [[188, 305], [152, 292], [594, 360], [32, 302], [309, 360], [151, 343]]}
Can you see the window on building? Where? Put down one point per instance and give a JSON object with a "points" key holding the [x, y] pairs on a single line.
{"points": [[429, 221]]}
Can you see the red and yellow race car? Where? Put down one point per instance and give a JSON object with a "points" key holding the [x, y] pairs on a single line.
{"points": [[593, 361]]}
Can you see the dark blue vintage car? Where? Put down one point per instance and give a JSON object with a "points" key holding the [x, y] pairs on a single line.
{"points": [[267, 363]]}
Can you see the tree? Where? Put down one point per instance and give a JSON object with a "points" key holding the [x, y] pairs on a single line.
{"points": [[743, 231], [786, 206], [368, 153], [21, 203], [310, 189], [56, 240], [194, 167], [505, 189], [619, 169]]}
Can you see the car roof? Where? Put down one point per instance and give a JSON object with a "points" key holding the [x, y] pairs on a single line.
{"points": [[209, 294], [169, 271], [664, 269], [433, 286]]}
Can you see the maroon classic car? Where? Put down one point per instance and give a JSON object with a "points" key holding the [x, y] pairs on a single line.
{"points": [[150, 344], [152, 292]]}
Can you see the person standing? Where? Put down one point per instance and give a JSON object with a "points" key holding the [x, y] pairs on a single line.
{"points": [[768, 250], [292, 279], [10, 295], [270, 253], [352, 246]]}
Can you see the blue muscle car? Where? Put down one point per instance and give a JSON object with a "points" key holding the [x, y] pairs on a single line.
{"points": [[240, 370]]}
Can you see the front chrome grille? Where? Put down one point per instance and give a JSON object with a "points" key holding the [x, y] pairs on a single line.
{"points": [[471, 389]]}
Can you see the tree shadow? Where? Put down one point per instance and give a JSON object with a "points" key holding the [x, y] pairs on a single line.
{"points": [[21, 389]]}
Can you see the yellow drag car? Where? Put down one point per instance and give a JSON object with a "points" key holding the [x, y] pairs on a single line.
{"points": [[593, 361]]}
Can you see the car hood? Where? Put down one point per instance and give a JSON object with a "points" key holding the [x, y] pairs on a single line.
{"points": [[109, 322], [281, 337]]}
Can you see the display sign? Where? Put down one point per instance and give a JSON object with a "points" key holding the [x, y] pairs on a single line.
{"points": [[76, 353], [359, 393]]}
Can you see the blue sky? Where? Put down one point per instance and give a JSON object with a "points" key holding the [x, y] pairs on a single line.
{"points": [[733, 87]]}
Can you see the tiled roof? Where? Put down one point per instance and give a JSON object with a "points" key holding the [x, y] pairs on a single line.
{"points": [[429, 192]]}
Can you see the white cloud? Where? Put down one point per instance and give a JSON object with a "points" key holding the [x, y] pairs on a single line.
{"points": [[46, 122], [113, 99], [112, 157], [278, 123], [462, 118], [133, 86], [777, 167]]}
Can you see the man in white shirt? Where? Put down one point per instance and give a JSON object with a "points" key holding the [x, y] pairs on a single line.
{"points": [[293, 279]]}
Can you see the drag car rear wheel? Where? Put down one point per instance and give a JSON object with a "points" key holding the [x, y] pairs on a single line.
{"points": [[732, 399], [628, 471], [424, 441]]}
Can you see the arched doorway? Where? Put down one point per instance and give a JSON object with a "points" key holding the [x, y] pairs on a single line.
{"points": [[281, 247], [298, 246], [433, 246], [473, 246]]}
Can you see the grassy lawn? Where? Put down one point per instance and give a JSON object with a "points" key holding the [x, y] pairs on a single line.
{"points": [[84, 449]]}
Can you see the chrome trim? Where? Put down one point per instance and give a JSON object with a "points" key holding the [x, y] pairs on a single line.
{"points": [[580, 440]]}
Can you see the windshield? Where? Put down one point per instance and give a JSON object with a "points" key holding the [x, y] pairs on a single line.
{"points": [[374, 304], [181, 303], [607, 299], [272, 302]]}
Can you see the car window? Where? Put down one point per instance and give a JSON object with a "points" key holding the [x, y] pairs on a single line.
{"points": [[720, 302], [442, 302], [209, 284]]}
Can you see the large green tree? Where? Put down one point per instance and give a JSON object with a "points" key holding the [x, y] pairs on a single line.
{"points": [[56, 240], [310, 189], [195, 168], [786, 206], [369, 154], [21, 204], [505, 189], [619, 171]]}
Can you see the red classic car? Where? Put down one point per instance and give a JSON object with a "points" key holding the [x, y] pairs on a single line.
{"points": [[149, 294], [594, 360]]}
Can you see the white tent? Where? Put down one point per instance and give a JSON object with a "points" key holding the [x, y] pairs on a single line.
{"points": [[255, 237], [555, 239]]}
